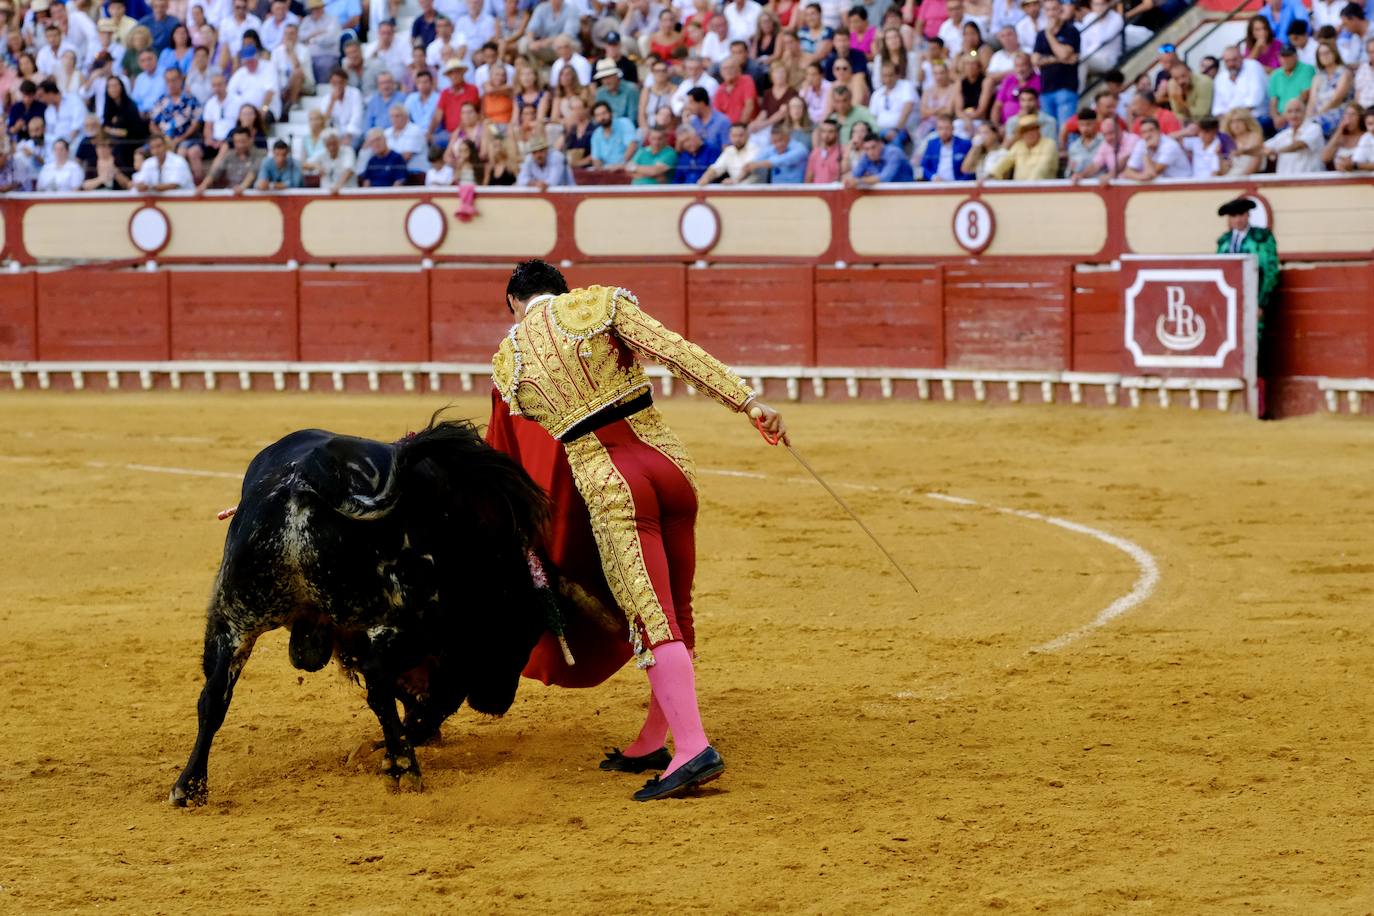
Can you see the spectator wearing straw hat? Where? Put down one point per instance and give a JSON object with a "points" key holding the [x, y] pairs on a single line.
{"points": [[544, 168], [1032, 157], [320, 32], [621, 96], [459, 92]]}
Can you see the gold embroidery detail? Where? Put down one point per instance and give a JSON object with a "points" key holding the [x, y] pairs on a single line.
{"points": [[612, 509], [567, 359], [505, 368]]}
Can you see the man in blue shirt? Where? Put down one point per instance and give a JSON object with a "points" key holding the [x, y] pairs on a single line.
{"points": [[879, 163], [694, 156], [279, 171], [378, 111], [161, 24], [1282, 13], [613, 140], [785, 160], [423, 102], [148, 85], [943, 157], [713, 126], [386, 168]]}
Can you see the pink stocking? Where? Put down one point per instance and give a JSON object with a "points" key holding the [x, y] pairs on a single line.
{"points": [[674, 685], [654, 733]]}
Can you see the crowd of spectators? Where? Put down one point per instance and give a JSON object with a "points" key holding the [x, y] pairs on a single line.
{"points": [[156, 95]]}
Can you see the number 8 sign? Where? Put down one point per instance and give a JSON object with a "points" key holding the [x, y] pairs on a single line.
{"points": [[974, 226]]}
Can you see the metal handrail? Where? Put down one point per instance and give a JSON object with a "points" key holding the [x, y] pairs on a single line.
{"points": [[1221, 22], [1121, 35]]}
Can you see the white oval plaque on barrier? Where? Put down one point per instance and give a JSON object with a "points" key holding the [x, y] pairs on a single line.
{"points": [[426, 226], [974, 226], [699, 227], [149, 229]]}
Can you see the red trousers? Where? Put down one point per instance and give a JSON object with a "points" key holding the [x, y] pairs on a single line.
{"points": [[637, 481]]}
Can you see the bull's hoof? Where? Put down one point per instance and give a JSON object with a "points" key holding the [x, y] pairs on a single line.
{"points": [[190, 793], [403, 774]]}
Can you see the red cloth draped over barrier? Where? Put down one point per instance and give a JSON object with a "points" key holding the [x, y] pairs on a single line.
{"points": [[599, 640]]}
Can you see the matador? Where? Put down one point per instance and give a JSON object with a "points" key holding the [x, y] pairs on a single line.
{"points": [[571, 363]]}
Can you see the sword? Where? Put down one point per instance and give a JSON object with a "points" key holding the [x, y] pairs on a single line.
{"points": [[756, 415]]}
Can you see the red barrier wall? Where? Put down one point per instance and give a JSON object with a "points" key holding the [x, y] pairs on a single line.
{"points": [[1097, 321], [18, 316], [103, 315], [753, 316], [234, 315], [1043, 315], [1005, 316], [348, 316], [881, 317], [468, 313]]}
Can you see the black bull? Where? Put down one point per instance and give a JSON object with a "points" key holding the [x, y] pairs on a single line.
{"points": [[408, 562]]}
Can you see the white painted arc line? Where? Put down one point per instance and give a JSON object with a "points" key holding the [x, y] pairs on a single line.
{"points": [[1144, 586], [1141, 590]]}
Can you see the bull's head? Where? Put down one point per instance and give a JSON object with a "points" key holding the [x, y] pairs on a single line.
{"points": [[355, 477]]}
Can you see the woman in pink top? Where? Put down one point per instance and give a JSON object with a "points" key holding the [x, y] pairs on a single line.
{"points": [[861, 31], [1260, 44]]}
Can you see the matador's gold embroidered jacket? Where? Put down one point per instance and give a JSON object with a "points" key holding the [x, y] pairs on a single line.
{"points": [[574, 355]]}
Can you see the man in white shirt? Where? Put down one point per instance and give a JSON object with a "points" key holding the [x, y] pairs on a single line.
{"points": [[1208, 149], [1027, 27], [1296, 150], [952, 29], [1156, 156], [1240, 83], [567, 56], [163, 170], [220, 114], [49, 58], [274, 25], [475, 28], [64, 114], [742, 17], [386, 51], [696, 76], [446, 44], [1004, 58], [78, 29], [232, 27], [731, 166], [335, 164], [60, 173], [1350, 43], [255, 83], [407, 139], [891, 104], [342, 107]]}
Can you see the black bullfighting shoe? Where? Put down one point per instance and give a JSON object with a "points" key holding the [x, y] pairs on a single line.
{"points": [[698, 771], [622, 763]]}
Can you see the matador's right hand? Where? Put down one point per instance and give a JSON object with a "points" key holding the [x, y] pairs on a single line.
{"points": [[768, 421]]}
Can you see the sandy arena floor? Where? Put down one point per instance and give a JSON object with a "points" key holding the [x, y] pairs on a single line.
{"points": [[1208, 751]]}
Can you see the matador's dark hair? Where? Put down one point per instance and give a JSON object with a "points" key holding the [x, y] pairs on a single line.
{"points": [[534, 277]]}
